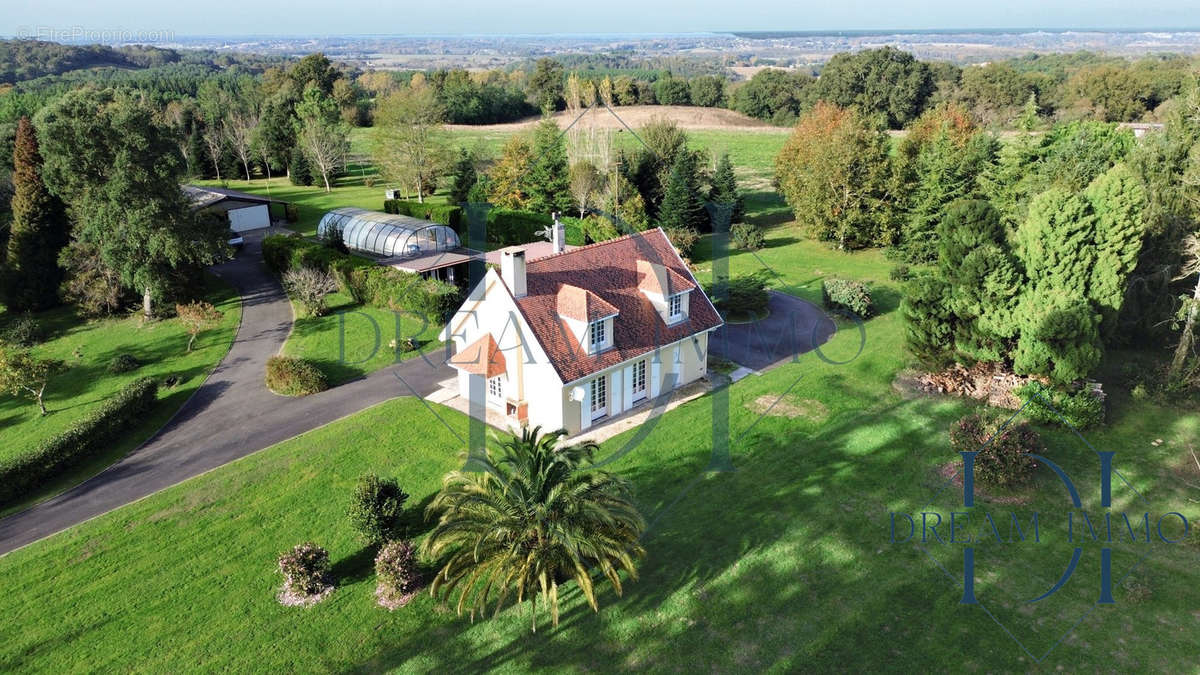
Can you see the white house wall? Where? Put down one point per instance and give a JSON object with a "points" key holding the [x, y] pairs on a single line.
{"points": [[249, 218]]}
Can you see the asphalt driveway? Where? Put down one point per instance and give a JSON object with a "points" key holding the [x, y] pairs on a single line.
{"points": [[793, 327], [230, 416]]}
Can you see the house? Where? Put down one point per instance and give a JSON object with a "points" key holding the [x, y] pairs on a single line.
{"points": [[403, 242], [571, 339], [244, 211]]}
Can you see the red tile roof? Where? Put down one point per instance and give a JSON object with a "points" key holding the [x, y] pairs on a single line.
{"points": [[576, 303], [652, 276], [481, 357], [609, 270]]}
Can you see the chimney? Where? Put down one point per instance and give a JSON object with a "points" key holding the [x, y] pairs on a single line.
{"points": [[558, 235], [512, 271]]}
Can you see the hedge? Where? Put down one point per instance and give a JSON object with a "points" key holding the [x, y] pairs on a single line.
{"points": [[292, 376], [87, 437], [365, 281], [443, 214], [853, 296]]}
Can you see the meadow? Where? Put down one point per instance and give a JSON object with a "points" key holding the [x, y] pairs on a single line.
{"points": [[87, 348]]}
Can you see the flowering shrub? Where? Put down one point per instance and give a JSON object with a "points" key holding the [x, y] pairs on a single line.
{"points": [[396, 569], [375, 508], [305, 569], [849, 295], [1006, 460]]}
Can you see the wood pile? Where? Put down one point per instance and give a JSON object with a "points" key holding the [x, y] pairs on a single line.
{"points": [[982, 381]]}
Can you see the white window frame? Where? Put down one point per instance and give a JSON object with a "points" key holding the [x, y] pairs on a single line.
{"points": [[675, 307], [496, 387], [597, 335], [598, 397], [639, 380]]}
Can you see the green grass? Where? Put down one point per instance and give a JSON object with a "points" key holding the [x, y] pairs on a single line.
{"points": [[352, 340], [88, 347], [782, 564]]}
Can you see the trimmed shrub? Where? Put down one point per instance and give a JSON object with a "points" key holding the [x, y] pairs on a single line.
{"points": [[375, 508], [747, 237], [1005, 461], [1081, 409], [83, 439], [123, 363], [852, 296], [24, 331], [397, 572], [443, 214], [506, 227], [900, 273], [305, 569], [291, 376]]}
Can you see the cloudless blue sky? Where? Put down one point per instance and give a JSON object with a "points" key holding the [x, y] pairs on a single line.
{"points": [[326, 17]]}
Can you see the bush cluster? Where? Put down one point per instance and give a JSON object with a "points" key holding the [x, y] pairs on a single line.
{"points": [[123, 363], [291, 376], [24, 331], [83, 439], [852, 296], [1005, 461], [375, 508], [747, 237], [1081, 409], [442, 214], [363, 280], [900, 273], [397, 571], [305, 569]]}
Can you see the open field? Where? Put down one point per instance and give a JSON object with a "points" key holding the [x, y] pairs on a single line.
{"points": [[87, 347], [782, 563], [686, 116]]}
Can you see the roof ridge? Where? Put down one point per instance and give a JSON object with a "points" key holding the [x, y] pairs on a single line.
{"points": [[598, 244]]}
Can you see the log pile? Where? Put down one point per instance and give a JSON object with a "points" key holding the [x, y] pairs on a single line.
{"points": [[982, 381]]}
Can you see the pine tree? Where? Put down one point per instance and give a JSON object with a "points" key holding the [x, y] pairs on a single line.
{"points": [[39, 230], [299, 172], [681, 207], [1119, 200], [928, 322], [967, 225], [548, 181], [464, 177], [725, 189]]}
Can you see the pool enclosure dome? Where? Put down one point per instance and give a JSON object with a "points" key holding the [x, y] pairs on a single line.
{"points": [[386, 234]]}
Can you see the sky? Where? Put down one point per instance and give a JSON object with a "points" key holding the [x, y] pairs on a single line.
{"points": [[33, 18]]}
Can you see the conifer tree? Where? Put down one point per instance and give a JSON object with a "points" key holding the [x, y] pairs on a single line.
{"points": [[681, 206], [464, 177], [548, 181], [39, 230], [725, 189]]}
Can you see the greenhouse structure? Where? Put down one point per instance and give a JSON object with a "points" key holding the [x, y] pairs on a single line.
{"points": [[399, 241]]}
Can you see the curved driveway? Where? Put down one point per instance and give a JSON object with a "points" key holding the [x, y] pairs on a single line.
{"points": [[793, 327], [230, 416]]}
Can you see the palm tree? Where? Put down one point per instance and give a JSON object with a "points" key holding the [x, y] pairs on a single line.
{"points": [[531, 521]]}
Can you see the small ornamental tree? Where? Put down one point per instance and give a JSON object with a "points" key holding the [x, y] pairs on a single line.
{"points": [[309, 286], [197, 316], [375, 508], [23, 374]]}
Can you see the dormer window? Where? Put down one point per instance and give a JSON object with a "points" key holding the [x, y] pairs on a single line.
{"points": [[675, 307], [597, 335]]}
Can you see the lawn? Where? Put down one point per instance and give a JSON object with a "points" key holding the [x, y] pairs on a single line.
{"points": [[87, 347], [352, 340], [782, 564]]}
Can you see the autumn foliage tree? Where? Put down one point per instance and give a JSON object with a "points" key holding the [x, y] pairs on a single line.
{"points": [[834, 172], [196, 317], [24, 374]]}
